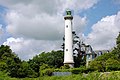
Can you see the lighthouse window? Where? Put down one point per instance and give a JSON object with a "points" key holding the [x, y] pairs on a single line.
{"points": [[66, 49], [66, 26]]}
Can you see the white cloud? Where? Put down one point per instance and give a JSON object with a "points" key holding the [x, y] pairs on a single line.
{"points": [[48, 6], [41, 26], [79, 23], [45, 26], [78, 5], [35, 18], [104, 32], [26, 48]]}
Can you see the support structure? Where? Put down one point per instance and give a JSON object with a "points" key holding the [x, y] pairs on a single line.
{"points": [[68, 51]]}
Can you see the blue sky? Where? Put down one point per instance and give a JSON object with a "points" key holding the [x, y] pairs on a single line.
{"points": [[38, 25], [2, 13], [102, 9]]}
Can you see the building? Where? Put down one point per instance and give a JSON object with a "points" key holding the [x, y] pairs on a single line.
{"points": [[68, 51], [88, 53], [100, 52]]}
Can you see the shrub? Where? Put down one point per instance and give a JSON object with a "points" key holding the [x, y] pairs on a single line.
{"points": [[44, 66], [112, 65], [76, 70], [93, 76], [82, 69], [66, 66], [46, 72], [87, 70], [4, 76], [3, 66], [62, 70]]}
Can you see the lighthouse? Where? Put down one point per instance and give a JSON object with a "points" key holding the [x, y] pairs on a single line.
{"points": [[68, 51]]}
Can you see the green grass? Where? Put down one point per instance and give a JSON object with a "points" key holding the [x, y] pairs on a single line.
{"points": [[91, 76]]}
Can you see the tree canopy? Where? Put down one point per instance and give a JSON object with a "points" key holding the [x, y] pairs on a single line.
{"points": [[12, 64]]}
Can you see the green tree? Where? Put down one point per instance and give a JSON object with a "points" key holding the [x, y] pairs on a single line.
{"points": [[3, 66], [53, 59], [118, 40], [9, 61], [25, 71], [35, 65], [4, 49], [116, 50]]}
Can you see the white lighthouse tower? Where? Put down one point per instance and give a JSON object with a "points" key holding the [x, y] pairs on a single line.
{"points": [[68, 51]]}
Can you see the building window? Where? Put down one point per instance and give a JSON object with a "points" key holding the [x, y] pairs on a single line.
{"points": [[66, 26], [66, 49], [99, 53], [88, 57]]}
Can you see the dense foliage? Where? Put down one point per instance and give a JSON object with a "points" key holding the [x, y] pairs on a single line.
{"points": [[53, 59], [14, 67]]}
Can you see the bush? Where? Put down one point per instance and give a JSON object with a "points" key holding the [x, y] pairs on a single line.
{"points": [[62, 70], [46, 72], [3, 66], [112, 65], [82, 69], [87, 70], [66, 66], [76, 70], [44, 66], [93, 76], [4, 76]]}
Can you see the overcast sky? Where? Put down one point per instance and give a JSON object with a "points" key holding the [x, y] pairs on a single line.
{"points": [[30, 27]]}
